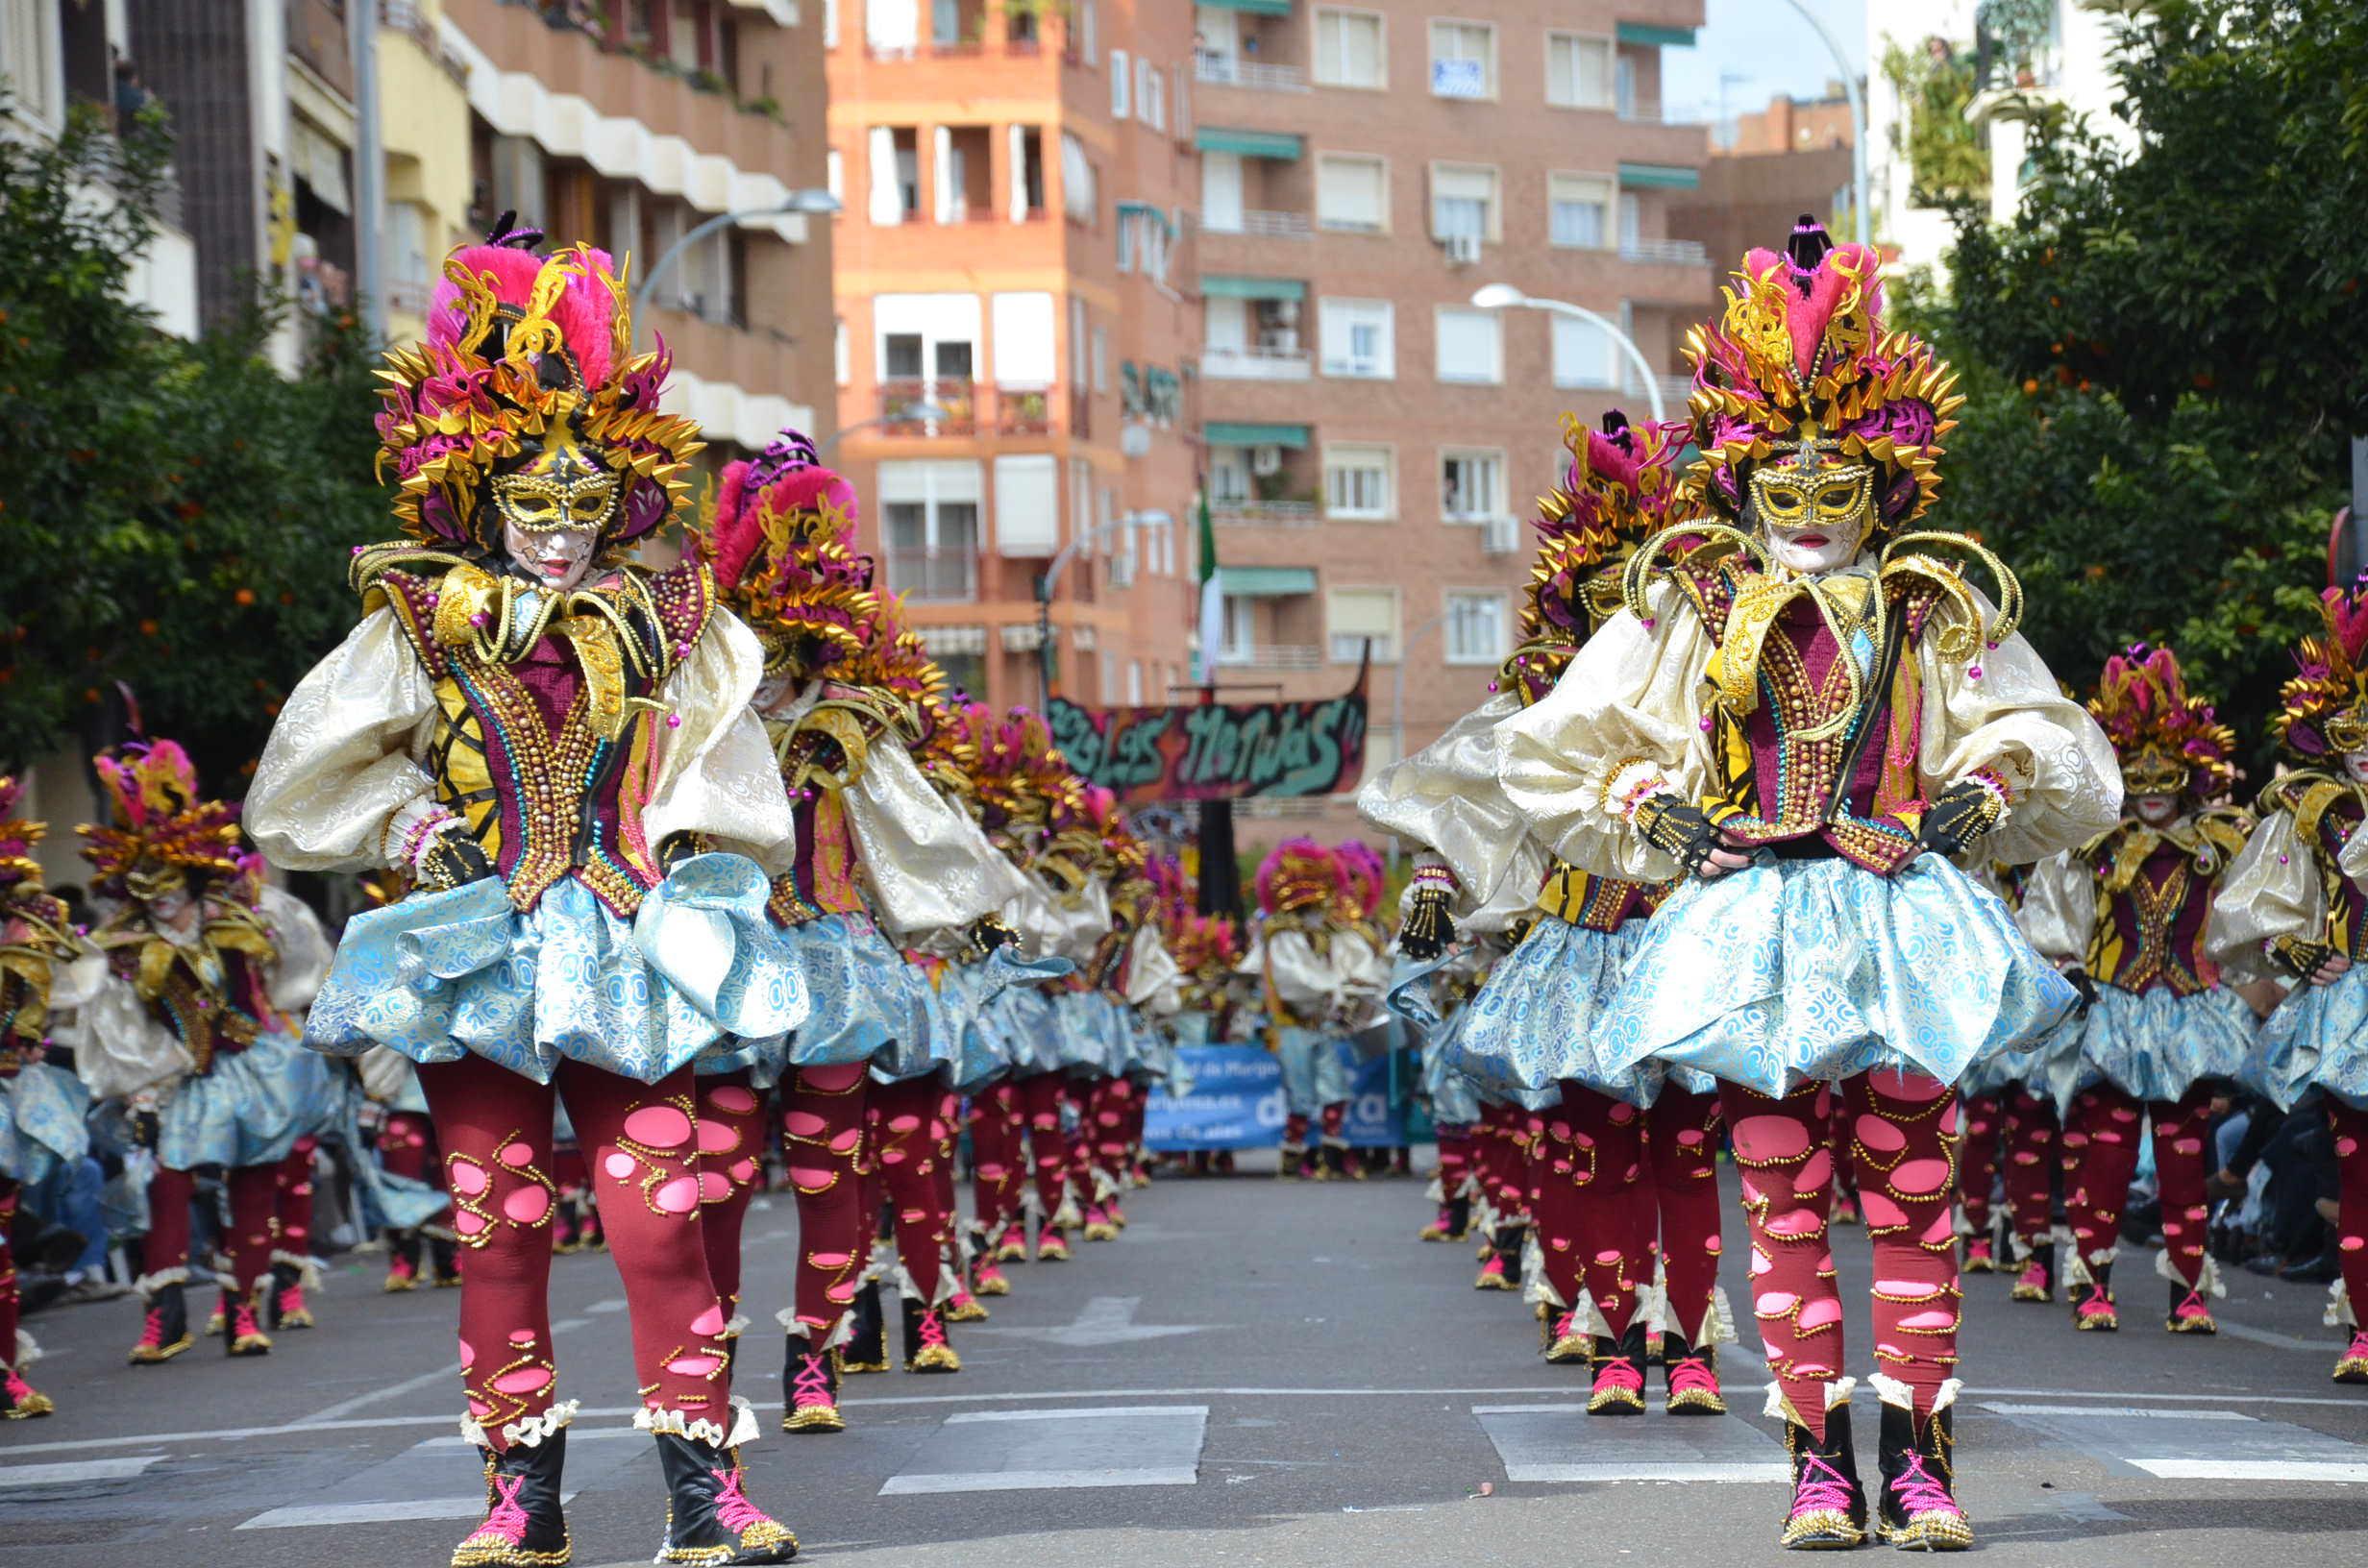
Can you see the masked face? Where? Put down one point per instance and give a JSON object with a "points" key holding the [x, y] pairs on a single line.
{"points": [[776, 690], [172, 904], [2154, 810], [555, 511], [2356, 765], [1816, 519], [2152, 782]]}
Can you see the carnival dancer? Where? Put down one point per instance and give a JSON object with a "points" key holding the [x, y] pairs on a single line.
{"points": [[2129, 910], [1208, 951], [2292, 906], [41, 1106], [557, 745], [1792, 715], [1312, 968], [189, 1029]]}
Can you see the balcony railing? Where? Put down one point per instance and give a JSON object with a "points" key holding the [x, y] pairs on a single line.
{"points": [[940, 574], [1653, 112], [966, 407], [1683, 253], [1226, 71], [1262, 514], [1274, 656], [1257, 224], [1251, 362], [1023, 410]]}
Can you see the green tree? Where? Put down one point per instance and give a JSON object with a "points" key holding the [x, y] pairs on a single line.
{"points": [[175, 516]]}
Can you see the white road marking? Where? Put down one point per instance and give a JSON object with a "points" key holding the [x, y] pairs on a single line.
{"points": [[346, 1407], [2207, 1445], [1005, 1450], [68, 1473], [2093, 1411], [1561, 1443], [317, 1516], [1103, 1320], [614, 1304], [2280, 1342], [2306, 1470], [1023, 1480]]}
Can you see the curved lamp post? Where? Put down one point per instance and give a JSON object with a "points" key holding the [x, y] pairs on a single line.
{"points": [[812, 201], [1506, 297]]}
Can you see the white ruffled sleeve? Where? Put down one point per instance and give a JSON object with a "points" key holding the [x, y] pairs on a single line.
{"points": [[929, 866], [1445, 798], [301, 948], [717, 777], [2058, 912], [1154, 982], [2271, 890], [340, 766]]}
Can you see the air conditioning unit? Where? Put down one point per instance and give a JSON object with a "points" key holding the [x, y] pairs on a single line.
{"points": [[1265, 460], [1464, 250], [1500, 536]]}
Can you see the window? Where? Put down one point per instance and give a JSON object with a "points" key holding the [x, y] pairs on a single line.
{"points": [[1472, 486], [1228, 476], [1631, 220], [1078, 196], [834, 173], [1240, 642], [1471, 345], [840, 367], [1134, 682], [1356, 482], [1579, 211], [1578, 71], [1349, 49], [1581, 353], [1027, 505], [930, 524], [1475, 628], [1080, 497], [1150, 95], [1077, 340], [1101, 359], [1122, 83], [1352, 192], [1360, 338], [1463, 202], [1463, 60], [1355, 617]]}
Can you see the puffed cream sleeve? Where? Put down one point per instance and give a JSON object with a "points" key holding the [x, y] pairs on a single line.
{"points": [[717, 775], [120, 1047], [1446, 800], [929, 866], [2016, 722], [2352, 859], [1304, 982], [302, 948], [1035, 916], [340, 766], [1624, 723], [2058, 912], [2271, 890], [1153, 980]]}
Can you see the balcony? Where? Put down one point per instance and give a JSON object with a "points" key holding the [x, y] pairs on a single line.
{"points": [[1679, 253], [1253, 363], [1257, 224], [1263, 514], [967, 409], [1228, 71], [940, 574], [1272, 656], [1652, 111]]}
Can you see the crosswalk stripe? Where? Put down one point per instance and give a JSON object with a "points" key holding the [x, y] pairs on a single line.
{"points": [[69, 1472], [2000, 1408], [1561, 1443], [1003, 1451], [2253, 1469]]}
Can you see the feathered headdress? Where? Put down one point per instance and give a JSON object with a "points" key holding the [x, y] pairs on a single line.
{"points": [[1364, 874], [1798, 370], [2324, 708], [1299, 874], [160, 828], [1021, 777], [1614, 495], [2167, 740], [17, 837], [523, 353], [779, 537]]}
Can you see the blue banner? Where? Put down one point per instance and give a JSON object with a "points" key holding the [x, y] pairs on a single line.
{"points": [[1237, 1103]]}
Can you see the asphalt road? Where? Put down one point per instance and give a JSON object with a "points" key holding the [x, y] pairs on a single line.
{"points": [[1255, 1373]]}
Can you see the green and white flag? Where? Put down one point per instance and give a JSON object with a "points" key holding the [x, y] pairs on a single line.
{"points": [[1212, 595]]}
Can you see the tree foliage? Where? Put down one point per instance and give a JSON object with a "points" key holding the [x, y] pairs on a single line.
{"points": [[175, 516]]}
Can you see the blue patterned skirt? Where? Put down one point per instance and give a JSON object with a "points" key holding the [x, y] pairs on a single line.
{"points": [[1793, 971], [1455, 1099], [441, 975], [1317, 1069], [1538, 1018], [250, 1107], [1093, 1037], [2152, 1045], [2318, 1035], [860, 1002], [41, 1114]]}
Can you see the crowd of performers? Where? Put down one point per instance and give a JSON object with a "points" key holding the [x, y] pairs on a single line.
{"points": [[1773, 833]]}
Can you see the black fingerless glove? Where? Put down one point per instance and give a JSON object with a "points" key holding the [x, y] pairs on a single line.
{"points": [[453, 860], [988, 933], [2300, 956], [676, 847], [1428, 928], [1963, 812], [1677, 829], [2081, 983]]}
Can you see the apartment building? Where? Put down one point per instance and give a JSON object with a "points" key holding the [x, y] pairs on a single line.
{"points": [[1017, 291], [1373, 440], [1793, 158], [630, 125]]}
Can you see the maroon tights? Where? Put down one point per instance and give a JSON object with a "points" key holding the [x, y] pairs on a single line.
{"points": [[7, 1274], [1040, 1101], [2101, 1156], [641, 1141], [1903, 1138], [292, 1198], [998, 1173], [1454, 1161], [908, 1127], [254, 1195], [822, 1143], [2031, 1163], [1615, 1150], [1979, 1161], [2350, 1129]]}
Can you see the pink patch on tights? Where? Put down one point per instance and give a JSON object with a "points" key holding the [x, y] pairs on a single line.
{"points": [[1921, 1176], [1814, 1172], [1775, 1303], [733, 1098], [1791, 1226], [660, 1126], [1879, 1135], [713, 1186], [620, 1167], [1932, 1322], [526, 1380], [678, 1196], [1761, 1139], [515, 1154], [1818, 1314], [526, 1205], [467, 1179], [1880, 1209], [710, 1323], [695, 1366], [717, 1137], [811, 1177], [832, 1079], [467, 1224], [804, 1124], [743, 1171]]}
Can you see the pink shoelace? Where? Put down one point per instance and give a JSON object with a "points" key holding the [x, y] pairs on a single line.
{"points": [[508, 1518], [2033, 1276], [1821, 1487], [932, 1330], [811, 1385], [737, 1513], [2360, 1345], [2097, 1304], [1015, 1237], [1494, 1265], [399, 1269], [1562, 1326], [152, 1330], [1690, 1372], [242, 1323], [1920, 1492], [291, 1300], [2192, 1306], [1442, 1222], [1620, 1375], [18, 1389]]}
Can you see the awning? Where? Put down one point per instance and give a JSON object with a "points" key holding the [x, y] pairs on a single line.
{"points": [[1666, 37], [1256, 8], [1236, 433], [1231, 287], [1664, 176], [1265, 582], [1217, 138], [320, 163], [1146, 209]]}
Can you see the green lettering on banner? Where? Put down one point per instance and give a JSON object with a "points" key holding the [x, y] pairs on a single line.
{"points": [[1217, 750]]}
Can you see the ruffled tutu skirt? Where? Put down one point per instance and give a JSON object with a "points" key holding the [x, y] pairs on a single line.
{"points": [[989, 1023], [1093, 1037], [250, 1107], [861, 1000], [1538, 1018], [1455, 1099], [1315, 1069], [1793, 971], [2317, 1036], [442, 975], [43, 1112], [2152, 1045]]}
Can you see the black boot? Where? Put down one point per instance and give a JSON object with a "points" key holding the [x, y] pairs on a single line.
{"points": [[809, 1389], [867, 1348], [523, 1526], [288, 1308], [925, 1347], [708, 1520], [2092, 1305], [2037, 1280], [1690, 1377], [2190, 1313], [446, 1255], [242, 1326], [1508, 1249], [403, 1250], [1620, 1372], [1918, 1511], [1828, 1511], [165, 1329]]}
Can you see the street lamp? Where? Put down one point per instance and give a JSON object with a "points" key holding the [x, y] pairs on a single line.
{"points": [[1506, 297], [919, 411], [812, 201], [1858, 118], [1047, 584]]}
